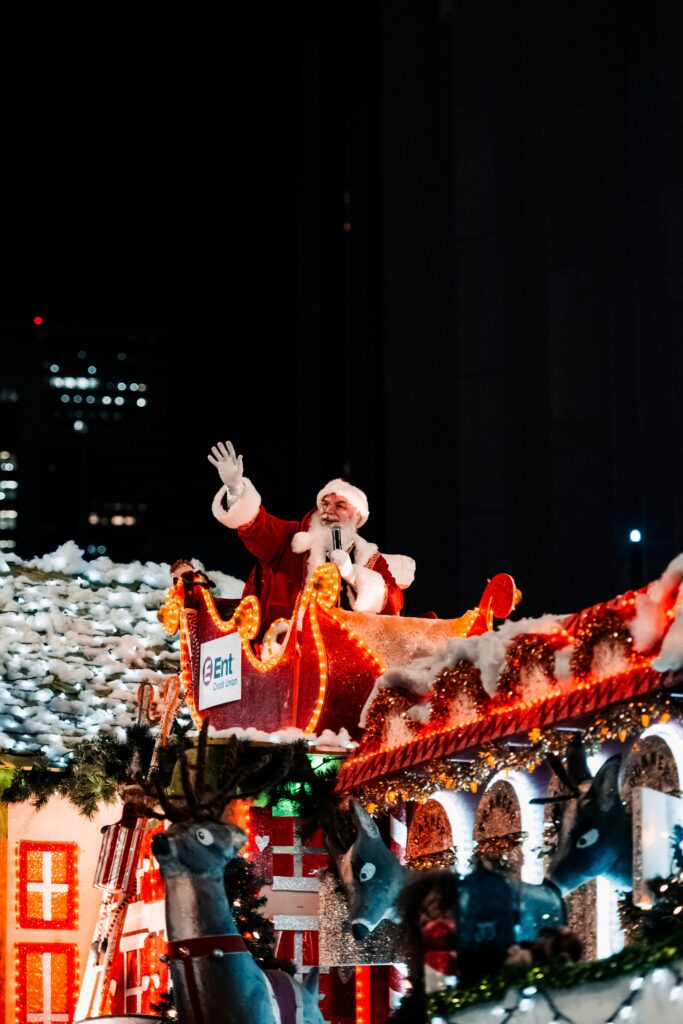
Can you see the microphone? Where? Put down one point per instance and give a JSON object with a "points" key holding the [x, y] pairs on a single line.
{"points": [[336, 538]]}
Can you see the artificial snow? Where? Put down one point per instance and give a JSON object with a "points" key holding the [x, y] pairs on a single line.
{"points": [[649, 627], [327, 738], [77, 638]]}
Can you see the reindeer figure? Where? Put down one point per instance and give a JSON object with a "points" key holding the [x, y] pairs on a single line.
{"points": [[371, 875], [374, 879], [215, 978], [595, 836]]}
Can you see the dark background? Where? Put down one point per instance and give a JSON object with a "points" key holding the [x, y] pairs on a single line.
{"points": [[435, 246]]}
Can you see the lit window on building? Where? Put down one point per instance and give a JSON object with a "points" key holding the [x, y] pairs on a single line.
{"points": [[75, 383], [48, 885], [45, 982], [123, 520], [8, 519]]}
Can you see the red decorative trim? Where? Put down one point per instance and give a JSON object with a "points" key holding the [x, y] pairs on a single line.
{"points": [[58, 895], [188, 950], [32, 988], [553, 709]]}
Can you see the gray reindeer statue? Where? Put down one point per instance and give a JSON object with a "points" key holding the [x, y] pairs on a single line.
{"points": [[374, 881], [594, 838], [215, 978], [594, 829]]}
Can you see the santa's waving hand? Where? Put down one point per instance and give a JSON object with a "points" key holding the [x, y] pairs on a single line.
{"points": [[229, 466], [290, 550]]}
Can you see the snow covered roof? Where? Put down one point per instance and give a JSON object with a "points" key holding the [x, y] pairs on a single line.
{"points": [[616, 651], [77, 638]]}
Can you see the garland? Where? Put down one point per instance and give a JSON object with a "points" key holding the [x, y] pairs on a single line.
{"points": [[387, 704], [525, 651], [595, 628], [499, 848], [94, 772], [618, 722], [451, 687], [441, 859], [634, 959], [99, 768]]}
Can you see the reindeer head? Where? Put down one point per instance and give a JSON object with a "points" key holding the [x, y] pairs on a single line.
{"points": [[595, 829], [197, 848], [371, 875]]}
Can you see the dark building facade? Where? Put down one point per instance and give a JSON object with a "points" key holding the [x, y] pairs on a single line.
{"points": [[80, 424], [446, 261]]}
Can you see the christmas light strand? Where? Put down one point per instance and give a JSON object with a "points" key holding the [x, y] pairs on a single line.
{"points": [[619, 722], [643, 961]]}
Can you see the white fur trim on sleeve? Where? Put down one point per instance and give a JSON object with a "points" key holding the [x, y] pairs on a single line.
{"points": [[301, 542], [241, 512], [402, 568], [371, 590]]}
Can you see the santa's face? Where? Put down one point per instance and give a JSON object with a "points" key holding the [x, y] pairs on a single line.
{"points": [[335, 510]]}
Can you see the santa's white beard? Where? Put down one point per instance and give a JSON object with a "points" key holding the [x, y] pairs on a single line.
{"points": [[322, 541]]}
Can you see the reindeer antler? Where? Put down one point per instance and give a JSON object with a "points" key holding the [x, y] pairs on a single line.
{"points": [[241, 775], [576, 772]]}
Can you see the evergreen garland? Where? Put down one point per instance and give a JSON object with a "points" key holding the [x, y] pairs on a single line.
{"points": [[96, 770], [637, 958]]}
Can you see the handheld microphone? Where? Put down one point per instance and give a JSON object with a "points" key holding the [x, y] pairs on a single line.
{"points": [[336, 538]]}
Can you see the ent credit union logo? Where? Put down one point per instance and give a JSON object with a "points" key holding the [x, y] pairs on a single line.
{"points": [[220, 671]]}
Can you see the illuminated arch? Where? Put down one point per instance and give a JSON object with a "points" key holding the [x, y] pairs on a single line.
{"points": [[460, 816], [532, 822], [672, 734]]}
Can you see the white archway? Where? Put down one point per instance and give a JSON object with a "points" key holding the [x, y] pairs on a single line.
{"points": [[461, 819], [532, 822]]}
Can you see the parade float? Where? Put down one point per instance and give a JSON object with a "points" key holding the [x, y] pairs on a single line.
{"points": [[533, 764]]}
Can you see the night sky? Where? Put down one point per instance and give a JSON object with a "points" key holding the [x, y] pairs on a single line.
{"points": [[437, 247]]}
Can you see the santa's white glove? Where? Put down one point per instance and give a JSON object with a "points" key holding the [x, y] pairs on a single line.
{"points": [[342, 560], [229, 468]]}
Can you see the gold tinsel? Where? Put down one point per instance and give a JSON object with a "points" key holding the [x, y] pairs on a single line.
{"points": [[524, 651], [498, 848], [602, 626], [462, 682], [430, 861], [620, 722], [387, 704]]}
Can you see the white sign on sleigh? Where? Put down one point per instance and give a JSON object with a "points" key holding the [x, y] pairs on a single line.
{"points": [[220, 671]]}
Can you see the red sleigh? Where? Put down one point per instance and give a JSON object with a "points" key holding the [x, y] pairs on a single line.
{"points": [[322, 673]]}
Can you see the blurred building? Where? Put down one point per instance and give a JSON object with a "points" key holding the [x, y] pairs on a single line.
{"points": [[80, 420]]}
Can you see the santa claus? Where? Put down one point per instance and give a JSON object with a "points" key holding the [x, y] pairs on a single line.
{"points": [[289, 551]]}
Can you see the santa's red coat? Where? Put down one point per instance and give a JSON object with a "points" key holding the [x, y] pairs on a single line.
{"points": [[281, 572]]}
